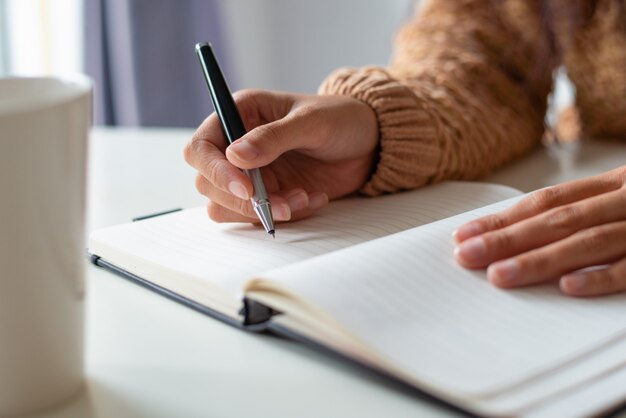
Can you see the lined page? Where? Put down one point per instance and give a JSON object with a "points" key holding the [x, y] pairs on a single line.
{"points": [[188, 243], [405, 297]]}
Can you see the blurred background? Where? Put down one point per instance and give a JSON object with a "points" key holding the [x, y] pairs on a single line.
{"points": [[140, 53]]}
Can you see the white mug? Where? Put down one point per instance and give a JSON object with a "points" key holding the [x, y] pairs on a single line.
{"points": [[44, 126]]}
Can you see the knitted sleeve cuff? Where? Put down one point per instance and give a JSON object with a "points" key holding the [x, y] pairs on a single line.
{"points": [[409, 150]]}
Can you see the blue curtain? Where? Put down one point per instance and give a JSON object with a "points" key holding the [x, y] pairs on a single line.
{"points": [[141, 56]]}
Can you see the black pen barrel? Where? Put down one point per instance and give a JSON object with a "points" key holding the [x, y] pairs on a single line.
{"points": [[220, 93]]}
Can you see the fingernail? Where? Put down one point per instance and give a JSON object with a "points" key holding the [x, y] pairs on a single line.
{"points": [[317, 200], [503, 272], [573, 283], [244, 150], [238, 190], [281, 212], [471, 250], [467, 231], [298, 201]]}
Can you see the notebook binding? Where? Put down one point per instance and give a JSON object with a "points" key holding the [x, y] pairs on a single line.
{"points": [[255, 313]]}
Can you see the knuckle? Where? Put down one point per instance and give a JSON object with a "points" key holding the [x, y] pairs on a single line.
{"points": [[538, 261], [213, 171], [244, 95], [494, 222], [190, 149], [187, 152], [306, 110], [621, 175], [499, 241], [245, 100], [200, 183], [595, 240], [545, 198], [564, 218], [265, 134]]}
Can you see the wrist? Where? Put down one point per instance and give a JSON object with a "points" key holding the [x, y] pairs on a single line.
{"points": [[408, 152]]}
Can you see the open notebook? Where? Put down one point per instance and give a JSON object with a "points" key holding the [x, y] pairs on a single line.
{"points": [[374, 281]]}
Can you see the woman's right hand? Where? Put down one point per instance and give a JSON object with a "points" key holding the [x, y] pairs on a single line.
{"points": [[312, 149]]}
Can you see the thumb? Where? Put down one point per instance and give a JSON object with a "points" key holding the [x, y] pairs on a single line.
{"points": [[266, 143]]}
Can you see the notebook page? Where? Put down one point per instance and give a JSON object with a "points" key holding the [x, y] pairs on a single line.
{"points": [[189, 243], [596, 399], [563, 382], [405, 297]]}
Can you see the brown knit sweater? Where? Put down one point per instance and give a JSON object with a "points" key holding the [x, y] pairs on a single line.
{"points": [[467, 86]]}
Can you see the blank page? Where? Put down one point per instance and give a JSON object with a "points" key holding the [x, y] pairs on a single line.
{"points": [[188, 243], [405, 297]]}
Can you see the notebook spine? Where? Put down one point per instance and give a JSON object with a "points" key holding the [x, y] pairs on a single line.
{"points": [[255, 313]]}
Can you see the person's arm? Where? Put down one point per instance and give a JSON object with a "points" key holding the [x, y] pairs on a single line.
{"points": [[464, 94], [595, 58], [461, 97]]}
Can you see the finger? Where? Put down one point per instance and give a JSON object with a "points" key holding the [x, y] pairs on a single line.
{"points": [[220, 214], [209, 131], [542, 229], [313, 201], [266, 143], [225, 176], [316, 201], [597, 282], [257, 107], [205, 150], [593, 246], [243, 207], [206, 157], [541, 201], [270, 180]]}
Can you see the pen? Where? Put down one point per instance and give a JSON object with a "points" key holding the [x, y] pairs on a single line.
{"points": [[233, 128]]}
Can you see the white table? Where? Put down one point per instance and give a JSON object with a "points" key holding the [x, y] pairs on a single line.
{"points": [[147, 356]]}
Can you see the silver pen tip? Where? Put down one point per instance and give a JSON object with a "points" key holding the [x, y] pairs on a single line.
{"points": [[264, 212], [272, 233]]}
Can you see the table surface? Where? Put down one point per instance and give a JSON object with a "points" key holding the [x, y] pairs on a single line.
{"points": [[147, 356]]}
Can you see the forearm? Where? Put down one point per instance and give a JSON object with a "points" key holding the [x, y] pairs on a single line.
{"points": [[455, 103]]}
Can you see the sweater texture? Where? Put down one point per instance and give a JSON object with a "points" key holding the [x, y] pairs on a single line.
{"points": [[467, 87]]}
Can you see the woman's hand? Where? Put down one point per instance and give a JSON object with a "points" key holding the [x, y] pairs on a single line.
{"points": [[552, 234], [311, 148]]}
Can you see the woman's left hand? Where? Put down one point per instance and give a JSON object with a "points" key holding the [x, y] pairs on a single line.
{"points": [[553, 233]]}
